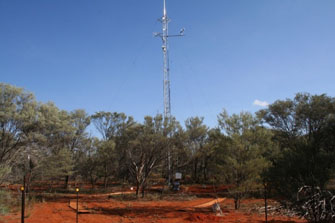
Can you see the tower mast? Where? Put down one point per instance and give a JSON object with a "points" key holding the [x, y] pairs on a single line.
{"points": [[166, 66], [166, 71]]}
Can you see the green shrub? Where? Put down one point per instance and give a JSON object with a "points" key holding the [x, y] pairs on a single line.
{"points": [[6, 202]]}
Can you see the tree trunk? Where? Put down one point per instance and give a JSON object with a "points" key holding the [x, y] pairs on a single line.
{"points": [[105, 177], [105, 182], [237, 202], [66, 182], [143, 188], [205, 170], [137, 188], [195, 170], [27, 186], [92, 182]]}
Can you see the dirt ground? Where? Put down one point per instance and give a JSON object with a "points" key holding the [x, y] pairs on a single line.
{"points": [[104, 208]]}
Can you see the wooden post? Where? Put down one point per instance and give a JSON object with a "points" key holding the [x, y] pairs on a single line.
{"points": [[266, 202]]}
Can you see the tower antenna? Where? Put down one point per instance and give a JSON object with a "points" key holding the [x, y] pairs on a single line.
{"points": [[166, 66], [166, 71]]}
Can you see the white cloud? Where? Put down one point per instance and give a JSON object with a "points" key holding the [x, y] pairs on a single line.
{"points": [[260, 103]]}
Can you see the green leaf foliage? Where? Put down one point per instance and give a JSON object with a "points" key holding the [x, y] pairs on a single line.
{"points": [[304, 129]]}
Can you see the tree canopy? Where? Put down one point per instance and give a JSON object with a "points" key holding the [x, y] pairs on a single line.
{"points": [[287, 145]]}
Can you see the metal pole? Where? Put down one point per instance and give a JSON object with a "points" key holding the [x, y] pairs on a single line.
{"points": [[22, 204]]}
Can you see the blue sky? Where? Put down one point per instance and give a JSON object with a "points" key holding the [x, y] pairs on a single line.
{"points": [[101, 55]]}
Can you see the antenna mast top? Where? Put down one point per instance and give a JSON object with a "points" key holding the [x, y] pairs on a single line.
{"points": [[164, 10]]}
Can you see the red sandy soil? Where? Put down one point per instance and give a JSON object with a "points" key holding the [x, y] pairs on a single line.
{"points": [[173, 210], [205, 189], [104, 210]]}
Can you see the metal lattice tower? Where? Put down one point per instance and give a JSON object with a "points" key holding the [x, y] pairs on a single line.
{"points": [[166, 67], [166, 70]]}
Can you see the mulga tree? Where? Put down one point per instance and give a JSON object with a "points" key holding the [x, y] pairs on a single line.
{"points": [[106, 159], [88, 166], [146, 150], [113, 128], [215, 151], [244, 160], [17, 126], [79, 121], [304, 127], [55, 134], [176, 154], [196, 133]]}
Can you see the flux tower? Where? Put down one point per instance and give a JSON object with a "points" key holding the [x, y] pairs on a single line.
{"points": [[166, 67]]}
